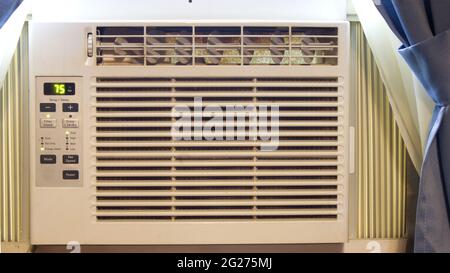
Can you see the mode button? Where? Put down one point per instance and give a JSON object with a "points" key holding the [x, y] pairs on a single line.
{"points": [[48, 159]]}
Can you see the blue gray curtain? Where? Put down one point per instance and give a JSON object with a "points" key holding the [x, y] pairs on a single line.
{"points": [[7, 7], [423, 26]]}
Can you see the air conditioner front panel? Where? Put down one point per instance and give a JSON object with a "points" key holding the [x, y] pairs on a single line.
{"points": [[139, 186]]}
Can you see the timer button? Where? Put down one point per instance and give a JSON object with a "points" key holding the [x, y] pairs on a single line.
{"points": [[70, 107], [47, 107], [48, 123], [70, 123]]}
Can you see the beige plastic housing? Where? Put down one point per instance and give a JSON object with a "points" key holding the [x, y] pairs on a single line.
{"points": [[62, 214]]}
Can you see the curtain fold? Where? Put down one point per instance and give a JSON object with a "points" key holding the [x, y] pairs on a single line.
{"points": [[424, 28], [7, 7]]}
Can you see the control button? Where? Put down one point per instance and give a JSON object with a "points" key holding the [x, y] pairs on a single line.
{"points": [[47, 107], [70, 107], [48, 123], [48, 159], [70, 159], [70, 175], [70, 123]]}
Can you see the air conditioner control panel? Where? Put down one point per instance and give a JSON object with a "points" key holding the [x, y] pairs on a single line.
{"points": [[58, 132]]}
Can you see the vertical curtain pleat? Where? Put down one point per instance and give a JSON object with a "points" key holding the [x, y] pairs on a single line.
{"points": [[441, 20], [426, 50], [413, 13], [381, 169]]}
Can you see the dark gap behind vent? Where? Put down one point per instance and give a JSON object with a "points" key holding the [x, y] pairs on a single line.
{"points": [[212, 218], [132, 89], [120, 31], [200, 207], [132, 79], [118, 158], [285, 79], [163, 30], [134, 109], [219, 79], [274, 186]]}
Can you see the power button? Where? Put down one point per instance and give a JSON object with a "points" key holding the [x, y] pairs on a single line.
{"points": [[71, 175]]}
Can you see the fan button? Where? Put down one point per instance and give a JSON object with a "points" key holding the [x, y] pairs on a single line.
{"points": [[70, 159]]}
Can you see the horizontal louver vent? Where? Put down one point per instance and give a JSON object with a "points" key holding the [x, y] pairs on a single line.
{"points": [[203, 45], [144, 174]]}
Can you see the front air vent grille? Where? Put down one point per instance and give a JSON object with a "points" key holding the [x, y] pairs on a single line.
{"points": [[214, 45], [143, 174]]}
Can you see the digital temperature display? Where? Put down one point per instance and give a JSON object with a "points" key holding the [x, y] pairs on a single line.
{"points": [[59, 89]]}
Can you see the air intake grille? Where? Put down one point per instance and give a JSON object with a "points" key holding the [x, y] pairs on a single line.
{"points": [[143, 174], [203, 45]]}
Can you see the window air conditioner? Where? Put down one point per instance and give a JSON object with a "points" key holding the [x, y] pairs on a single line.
{"points": [[107, 167]]}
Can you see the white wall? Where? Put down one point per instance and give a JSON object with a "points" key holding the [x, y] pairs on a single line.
{"points": [[350, 8], [71, 10]]}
